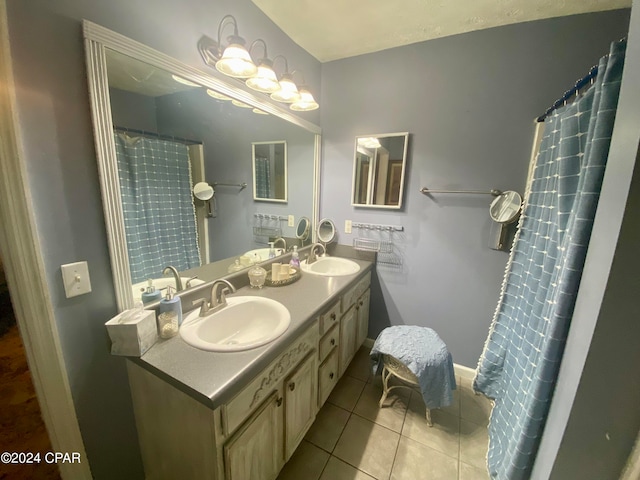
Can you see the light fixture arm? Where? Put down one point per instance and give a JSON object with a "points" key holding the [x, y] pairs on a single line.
{"points": [[223, 23], [259, 41], [286, 64]]}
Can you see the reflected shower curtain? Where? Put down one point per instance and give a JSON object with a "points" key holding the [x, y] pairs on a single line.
{"points": [[522, 355], [159, 215], [263, 178]]}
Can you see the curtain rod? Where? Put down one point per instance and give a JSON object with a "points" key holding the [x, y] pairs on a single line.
{"points": [[579, 85], [157, 135]]}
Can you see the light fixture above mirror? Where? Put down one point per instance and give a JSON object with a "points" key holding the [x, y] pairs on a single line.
{"points": [[236, 61]]}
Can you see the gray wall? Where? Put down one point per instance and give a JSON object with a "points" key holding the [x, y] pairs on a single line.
{"points": [[131, 110], [469, 102], [55, 124]]}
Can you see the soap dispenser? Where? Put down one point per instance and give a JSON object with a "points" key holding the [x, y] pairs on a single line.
{"points": [[171, 303], [151, 294], [295, 258], [272, 250]]}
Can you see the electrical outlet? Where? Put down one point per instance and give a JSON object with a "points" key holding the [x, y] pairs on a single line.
{"points": [[75, 277], [347, 226], [290, 221]]}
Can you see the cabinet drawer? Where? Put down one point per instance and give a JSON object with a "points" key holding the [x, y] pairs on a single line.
{"points": [[330, 340], [327, 376], [241, 406], [354, 292], [329, 318]]}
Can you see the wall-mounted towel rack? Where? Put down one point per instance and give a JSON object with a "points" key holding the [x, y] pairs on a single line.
{"points": [[494, 191], [267, 225], [242, 185], [374, 226]]}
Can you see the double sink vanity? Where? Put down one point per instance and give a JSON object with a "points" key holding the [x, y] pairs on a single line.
{"points": [[241, 413]]}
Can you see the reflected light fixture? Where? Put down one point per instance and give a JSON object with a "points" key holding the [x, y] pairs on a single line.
{"points": [[235, 61], [265, 79], [217, 95], [184, 81], [369, 142], [259, 112], [240, 104]]}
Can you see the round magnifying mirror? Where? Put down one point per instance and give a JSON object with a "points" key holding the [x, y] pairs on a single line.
{"points": [[326, 231], [302, 229], [506, 207], [203, 191]]}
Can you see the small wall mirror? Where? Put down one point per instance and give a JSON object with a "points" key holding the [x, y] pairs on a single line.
{"points": [[506, 207], [302, 229], [270, 171], [326, 231], [379, 168]]}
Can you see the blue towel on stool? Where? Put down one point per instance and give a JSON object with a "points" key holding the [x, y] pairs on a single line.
{"points": [[423, 352]]}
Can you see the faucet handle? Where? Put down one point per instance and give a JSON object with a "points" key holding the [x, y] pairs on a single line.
{"points": [[204, 306]]}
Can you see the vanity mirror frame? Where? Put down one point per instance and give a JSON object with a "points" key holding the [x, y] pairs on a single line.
{"points": [[97, 40], [403, 171]]}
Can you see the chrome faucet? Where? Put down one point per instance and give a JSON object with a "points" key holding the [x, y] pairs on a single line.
{"points": [[219, 290], [176, 276], [312, 253], [284, 243], [188, 284]]}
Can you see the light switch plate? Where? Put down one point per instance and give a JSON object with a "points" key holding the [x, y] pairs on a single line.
{"points": [[75, 277], [290, 221], [347, 226]]}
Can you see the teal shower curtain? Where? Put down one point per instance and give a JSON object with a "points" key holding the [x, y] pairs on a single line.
{"points": [[522, 355], [159, 215]]}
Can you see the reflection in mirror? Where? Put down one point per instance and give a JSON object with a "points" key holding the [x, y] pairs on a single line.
{"points": [[379, 169], [302, 229], [175, 140], [269, 160], [326, 231]]}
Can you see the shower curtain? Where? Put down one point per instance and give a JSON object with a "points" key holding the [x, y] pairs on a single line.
{"points": [[159, 215], [522, 355]]}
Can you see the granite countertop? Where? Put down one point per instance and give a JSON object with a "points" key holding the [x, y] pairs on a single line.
{"points": [[214, 378]]}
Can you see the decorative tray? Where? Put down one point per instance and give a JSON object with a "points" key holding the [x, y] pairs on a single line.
{"points": [[294, 275]]}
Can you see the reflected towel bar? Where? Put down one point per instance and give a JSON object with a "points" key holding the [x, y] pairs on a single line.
{"points": [[242, 185], [494, 191]]}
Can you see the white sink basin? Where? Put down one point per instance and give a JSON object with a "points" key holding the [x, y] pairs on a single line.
{"points": [[262, 254], [245, 323], [331, 267], [162, 282]]}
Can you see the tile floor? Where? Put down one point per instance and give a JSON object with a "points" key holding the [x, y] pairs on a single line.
{"points": [[353, 439]]}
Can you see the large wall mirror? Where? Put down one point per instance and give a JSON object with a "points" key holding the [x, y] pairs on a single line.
{"points": [[162, 127], [379, 166], [269, 171]]}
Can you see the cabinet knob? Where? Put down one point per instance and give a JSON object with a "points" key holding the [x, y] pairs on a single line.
{"points": [[279, 401], [331, 375], [357, 307], [361, 303], [333, 342], [292, 386], [333, 316]]}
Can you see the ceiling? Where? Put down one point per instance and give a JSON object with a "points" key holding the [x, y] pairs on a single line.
{"points": [[334, 29]]}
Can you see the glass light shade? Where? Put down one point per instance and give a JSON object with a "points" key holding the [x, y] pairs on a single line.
{"points": [[259, 112], [236, 62], [288, 92], [305, 103], [265, 80], [217, 95]]}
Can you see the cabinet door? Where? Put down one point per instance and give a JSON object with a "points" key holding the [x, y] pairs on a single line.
{"points": [[255, 451], [327, 377], [348, 332], [300, 399], [363, 318]]}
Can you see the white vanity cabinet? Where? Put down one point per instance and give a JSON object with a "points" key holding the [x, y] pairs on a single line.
{"points": [[251, 435], [354, 323]]}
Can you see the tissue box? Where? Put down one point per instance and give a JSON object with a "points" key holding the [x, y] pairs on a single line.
{"points": [[132, 334]]}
